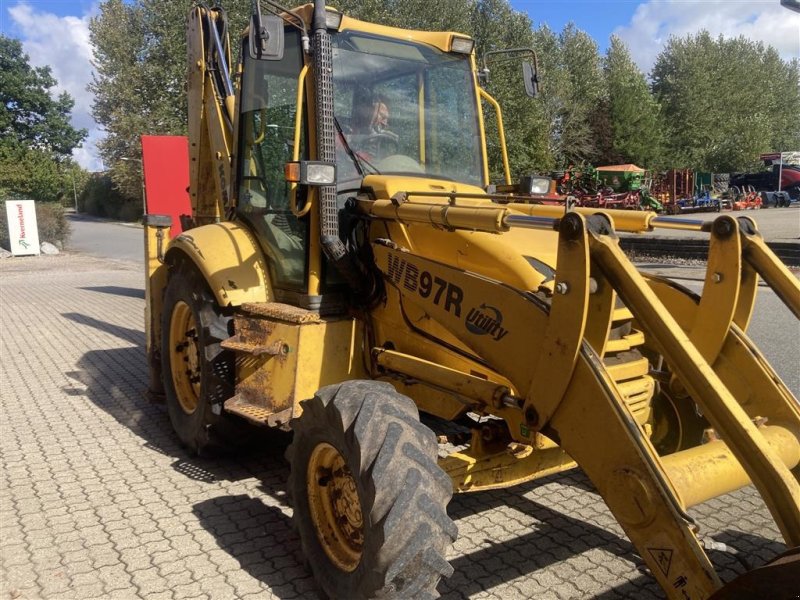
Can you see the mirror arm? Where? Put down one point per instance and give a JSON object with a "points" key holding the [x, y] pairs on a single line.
{"points": [[511, 54], [284, 13], [261, 33], [516, 51]]}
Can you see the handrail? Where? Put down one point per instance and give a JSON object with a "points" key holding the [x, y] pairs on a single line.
{"points": [[298, 121], [500, 130]]}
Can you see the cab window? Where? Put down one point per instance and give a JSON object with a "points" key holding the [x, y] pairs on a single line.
{"points": [[268, 108]]}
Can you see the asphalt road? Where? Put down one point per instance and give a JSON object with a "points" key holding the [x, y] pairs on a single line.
{"points": [[775, 332], [106, 239]]}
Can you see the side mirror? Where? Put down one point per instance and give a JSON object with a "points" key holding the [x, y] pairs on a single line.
{"points": [[531, 79], [266, 37]]}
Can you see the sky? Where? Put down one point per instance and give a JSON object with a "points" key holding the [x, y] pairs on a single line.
{"points": [[55, 33]]}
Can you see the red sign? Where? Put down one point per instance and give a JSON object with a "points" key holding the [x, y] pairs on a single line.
{"points": [[165, 161]]}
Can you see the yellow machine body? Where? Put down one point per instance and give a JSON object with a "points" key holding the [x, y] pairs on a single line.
{"points": [[522, 313]]}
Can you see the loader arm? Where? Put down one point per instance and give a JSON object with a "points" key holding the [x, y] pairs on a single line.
{"points": [[565, 391]]}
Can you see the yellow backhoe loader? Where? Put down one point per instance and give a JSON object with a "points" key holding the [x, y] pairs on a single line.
{"points": [[347, 266]]}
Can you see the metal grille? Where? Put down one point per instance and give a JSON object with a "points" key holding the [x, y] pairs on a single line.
{"points": [[326, 148]]}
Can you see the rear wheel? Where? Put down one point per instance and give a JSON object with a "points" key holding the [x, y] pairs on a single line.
{"points": [[198, 372], [369, 498]]}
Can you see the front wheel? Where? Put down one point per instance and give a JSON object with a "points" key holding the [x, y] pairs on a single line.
{"points": [[369, 497]]}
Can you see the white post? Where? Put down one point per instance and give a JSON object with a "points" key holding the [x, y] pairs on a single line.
{"points": [[74, 191]]}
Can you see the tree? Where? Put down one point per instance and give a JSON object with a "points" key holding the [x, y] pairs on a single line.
{"points": [[495, 25], [36, 137], [30, 173], [29, 116], [726, 101], [572, 90], [140, 78], [636, 131]]}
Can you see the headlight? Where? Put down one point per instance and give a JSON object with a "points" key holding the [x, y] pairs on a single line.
{"points": [[308, 172], [462, 45], [535, 185]]}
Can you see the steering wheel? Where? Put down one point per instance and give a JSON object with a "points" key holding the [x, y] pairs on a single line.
{"points": [[382, 143], [400, 163]]}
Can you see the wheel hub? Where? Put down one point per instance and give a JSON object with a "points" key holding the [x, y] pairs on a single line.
{"points": [[335, 507], [184, 356]]}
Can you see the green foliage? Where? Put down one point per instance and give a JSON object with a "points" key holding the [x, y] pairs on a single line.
{"points": [[496, 26], [52, 225], [29, 116], [30, 173], [572, 89], [36, 138], [101, 197], [725, 101], [33, 173], [636, 127], [714, 104], [140, 78]]}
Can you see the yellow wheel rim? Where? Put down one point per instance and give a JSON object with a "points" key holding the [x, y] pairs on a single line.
{"points": [[335, 507], [184, 357]]}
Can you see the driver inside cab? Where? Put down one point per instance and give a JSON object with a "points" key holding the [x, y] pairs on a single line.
{"points": [[370, 134], [380, 117], [366, 142]]}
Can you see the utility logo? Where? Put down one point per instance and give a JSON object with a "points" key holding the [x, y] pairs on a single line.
{"points": [[486, 320]]}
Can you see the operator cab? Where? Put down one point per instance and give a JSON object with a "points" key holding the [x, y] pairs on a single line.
{"points": [[403, 108], [400, 108]]}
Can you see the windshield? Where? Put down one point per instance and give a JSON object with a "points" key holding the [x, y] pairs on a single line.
{"points": [[404, 108]]}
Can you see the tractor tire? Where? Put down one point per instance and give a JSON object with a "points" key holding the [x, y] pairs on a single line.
{"points": [[369, 497], [198, 373]]}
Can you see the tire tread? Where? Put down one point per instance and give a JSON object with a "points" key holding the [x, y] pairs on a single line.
{"points": [[406, 491]]}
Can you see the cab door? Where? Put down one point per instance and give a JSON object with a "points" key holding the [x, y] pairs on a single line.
{"points": [[268, 108]]}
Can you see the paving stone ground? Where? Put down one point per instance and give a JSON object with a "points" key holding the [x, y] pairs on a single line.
{"points": [[97, 499]]}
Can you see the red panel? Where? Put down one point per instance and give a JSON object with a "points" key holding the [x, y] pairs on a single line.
{"points": [[165, 160]]}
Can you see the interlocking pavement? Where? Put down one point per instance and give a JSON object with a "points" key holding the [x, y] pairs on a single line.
{"points": [[97, 499]]}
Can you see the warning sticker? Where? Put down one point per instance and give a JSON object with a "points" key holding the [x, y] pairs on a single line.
{"points": [[663, 557]]}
